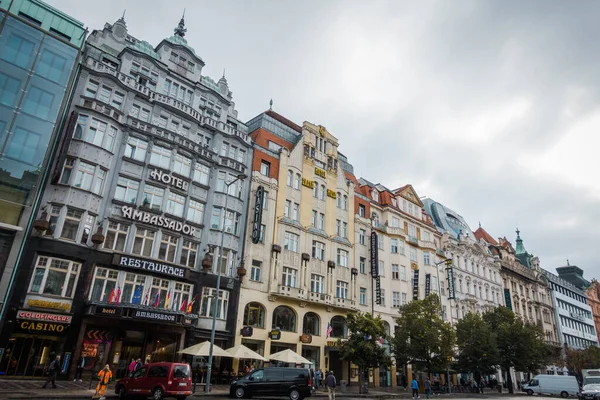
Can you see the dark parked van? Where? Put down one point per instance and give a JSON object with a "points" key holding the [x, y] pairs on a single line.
{"points": [[293, 382], [159, 380]]}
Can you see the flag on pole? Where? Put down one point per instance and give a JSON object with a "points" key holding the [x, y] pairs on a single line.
{"points": [[118, 297], [111, 298], [380, 340], [191, 305], [156, 299], [329, 330], [147, 298], [168, 299], [137, 295], [183, 305]]}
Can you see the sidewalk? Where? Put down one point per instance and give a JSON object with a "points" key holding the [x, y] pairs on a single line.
{"points": [[31, 389]]}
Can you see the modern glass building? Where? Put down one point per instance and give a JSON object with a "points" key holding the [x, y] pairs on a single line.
{"points": [[39, 53]]}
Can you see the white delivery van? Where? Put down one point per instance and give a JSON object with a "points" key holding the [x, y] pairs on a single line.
{"points": [[564, 385]]}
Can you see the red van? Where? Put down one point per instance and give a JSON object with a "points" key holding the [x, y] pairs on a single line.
{"points": [[159, 380]]}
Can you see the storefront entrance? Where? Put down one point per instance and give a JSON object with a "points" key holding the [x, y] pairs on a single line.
{"points": [[28, 355], [312, 353]]}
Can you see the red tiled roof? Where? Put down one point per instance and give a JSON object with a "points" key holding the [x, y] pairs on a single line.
{"points": [[284, 120], [481, 233]]}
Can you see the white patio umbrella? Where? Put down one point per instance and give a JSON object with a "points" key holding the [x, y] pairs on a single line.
{"points": [[241, 351], [288, 356], [203, 349]]}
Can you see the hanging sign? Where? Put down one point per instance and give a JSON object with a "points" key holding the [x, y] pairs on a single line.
{"points": [[275, 334], [247, 331], [507, 299], [451, 292], [378, 290], [416, 284], [427, 284], [306, 338], [257, 219], [374, 255]]}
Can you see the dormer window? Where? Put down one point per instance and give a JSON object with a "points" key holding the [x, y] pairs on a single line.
{"points": [[375, 195]]}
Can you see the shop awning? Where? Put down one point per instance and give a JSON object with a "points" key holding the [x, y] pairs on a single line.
{"points": [[288, 356], [203, 350], [241, 351]]}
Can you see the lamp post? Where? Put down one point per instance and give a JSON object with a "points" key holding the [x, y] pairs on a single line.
{"points": [[448, 262], [240, 177]]}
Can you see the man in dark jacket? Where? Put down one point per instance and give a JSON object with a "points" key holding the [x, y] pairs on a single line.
{"points": [[138, 364], [80, 367], [330, 382], [53, 370]]}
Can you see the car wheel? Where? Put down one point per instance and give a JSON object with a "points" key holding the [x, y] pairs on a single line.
{"points": [[564, 394], [158, 394], [530, 392], [240, 393], [294, 394], [122, 393]]}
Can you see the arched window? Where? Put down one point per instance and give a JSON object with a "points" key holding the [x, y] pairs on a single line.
{"points": [[311, 324], [297, 181], [254, 315], [322, 192], [338, 200], [290, 175], [284, 318], [345, 202], [387, 328], [338, 326]]}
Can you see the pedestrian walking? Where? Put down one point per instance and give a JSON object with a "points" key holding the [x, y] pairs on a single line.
{"points": [[318, 378], [79, 369], [52, 371], [330, 382], [427, 387], [415, 388], [132, 365], [105, 376], [404, 382]]}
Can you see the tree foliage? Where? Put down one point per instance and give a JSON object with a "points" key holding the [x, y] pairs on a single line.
{"points": [[477, 347], [520, 345], [363, 345], [422, 337], [578, 360]]}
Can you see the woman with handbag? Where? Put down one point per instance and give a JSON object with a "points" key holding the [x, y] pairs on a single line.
{"points": [[105, 376]]}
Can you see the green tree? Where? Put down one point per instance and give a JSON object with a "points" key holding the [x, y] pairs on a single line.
{"points": [[477, 347], [520, 345], [422, 337], [362, 347]]}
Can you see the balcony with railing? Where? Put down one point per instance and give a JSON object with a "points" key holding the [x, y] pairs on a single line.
{"points": [[413, 240]]}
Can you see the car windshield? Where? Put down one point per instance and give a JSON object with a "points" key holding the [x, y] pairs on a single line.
{"points": [[181, 371], [592, 387]]}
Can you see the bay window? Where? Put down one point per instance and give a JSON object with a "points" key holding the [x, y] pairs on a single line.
{"points": [[208, 303], [318, 250], [54, 276], [291, 241], [289, 277], [71, 224], [341, 290], [342, 258], [317, 283]]}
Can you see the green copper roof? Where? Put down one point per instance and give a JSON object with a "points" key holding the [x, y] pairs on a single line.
{"points": [[146, 48], [520, 249], [176, 39], [209, 82]]}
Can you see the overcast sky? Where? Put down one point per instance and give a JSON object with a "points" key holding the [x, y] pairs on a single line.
{"points": [[489, 107]]}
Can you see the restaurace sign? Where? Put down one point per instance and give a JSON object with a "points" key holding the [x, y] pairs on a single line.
{"points": [[157, 220], [148, 265]]}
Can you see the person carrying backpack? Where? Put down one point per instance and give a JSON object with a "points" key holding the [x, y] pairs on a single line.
{"points": [[52, 371], [330, 382]]}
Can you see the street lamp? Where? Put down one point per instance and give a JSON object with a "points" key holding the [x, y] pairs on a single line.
{"points": [[240, 177], [448, 262]]}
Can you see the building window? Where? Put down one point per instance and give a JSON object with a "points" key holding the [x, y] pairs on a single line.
{"points": [[322, 192], [175, 204], [104, 285], [395, 272], [54, 214], [361, 236], [201, 173], [380, 242], [127, 190], [395, 299], [363, 296], [71, 224], [208, 303], [255, 271], [403, 298], [54, 276], [9, 89], [381, 268], [342, 258], [195, 212], [161, 157], [144, 239], [311, 323], [215, 219], [345, 230], [38, 103], [168, 248], [314, 218], [321, 222], [341, 290], [403, 272], [338, 200], [84, 174], [291, 241], [297, 179], [99, 133], [182, 165], [189, 250], [284, 318], [254, 315], [287, 209], [362, 264], [394, 244], [317, 283], [67, 171], [296, 212], [318, 250], [232, 222], [382, 297], [362, 210], [153, 197], [98, 184], [413, 254], [289, 277], [265, 168], [426, 258], [290, 177], [133, 287], [87, 228], [116, 236]]}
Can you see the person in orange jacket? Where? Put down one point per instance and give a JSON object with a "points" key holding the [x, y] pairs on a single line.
{"points": [[105, 376]]}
